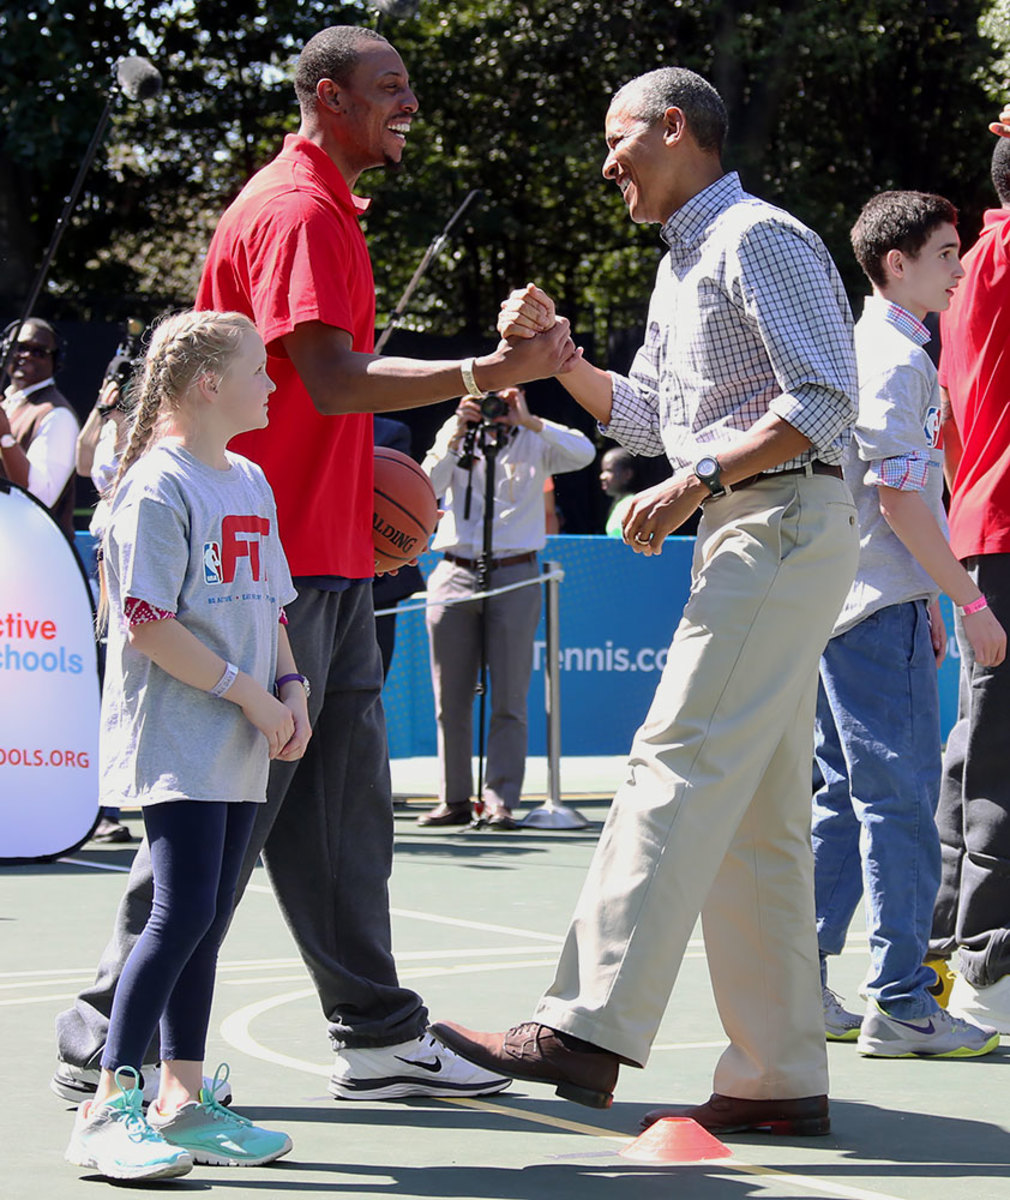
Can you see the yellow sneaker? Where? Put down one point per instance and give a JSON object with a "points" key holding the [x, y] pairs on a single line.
{"points": [[945, 976]]}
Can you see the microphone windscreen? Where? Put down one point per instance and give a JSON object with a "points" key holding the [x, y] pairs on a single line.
{"points": [[139, 78], [395, 8]]}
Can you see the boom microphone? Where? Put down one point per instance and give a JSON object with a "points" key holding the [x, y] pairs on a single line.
{"points": [[398, 9], [138, 78]]}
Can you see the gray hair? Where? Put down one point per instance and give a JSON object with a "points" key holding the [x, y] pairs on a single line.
{"points": [[650, 95]]}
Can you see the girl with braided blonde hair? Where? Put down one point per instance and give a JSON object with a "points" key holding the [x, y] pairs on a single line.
{"points": [[201, 691]]}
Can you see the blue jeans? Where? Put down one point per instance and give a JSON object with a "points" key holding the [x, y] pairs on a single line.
{"points": [[877, 744]]}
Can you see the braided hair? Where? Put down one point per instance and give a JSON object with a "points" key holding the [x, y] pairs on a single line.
{"points": [[183, 347]]}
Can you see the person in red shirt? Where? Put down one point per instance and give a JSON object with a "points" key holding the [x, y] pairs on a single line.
{"points": [[290, 254], [972, 913]]}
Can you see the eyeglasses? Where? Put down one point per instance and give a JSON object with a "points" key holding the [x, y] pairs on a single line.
{"points": [[32, 349]]}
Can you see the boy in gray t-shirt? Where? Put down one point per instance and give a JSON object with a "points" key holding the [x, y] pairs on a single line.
{"points": [[878, 724]]}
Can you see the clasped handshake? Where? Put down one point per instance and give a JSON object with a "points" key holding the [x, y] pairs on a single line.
{"points": [[536, 342], [529, 313]]}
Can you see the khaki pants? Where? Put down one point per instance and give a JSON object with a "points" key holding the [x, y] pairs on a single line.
{"points": [[715, 813]]}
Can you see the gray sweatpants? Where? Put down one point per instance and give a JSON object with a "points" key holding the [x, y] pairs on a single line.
{"points": [[326, 836]]}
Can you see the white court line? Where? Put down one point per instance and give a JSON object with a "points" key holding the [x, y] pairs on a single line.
{"points": [[235, 1029], [67, 996], [435, 918], [72, 975]]}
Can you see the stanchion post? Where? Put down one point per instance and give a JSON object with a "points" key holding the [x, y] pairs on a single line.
{"points": [[553, 814], [552, 684]]}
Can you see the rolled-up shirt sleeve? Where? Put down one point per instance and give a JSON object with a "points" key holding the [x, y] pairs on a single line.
{"points": [[903, 472], [795, 300], [634, 407]]}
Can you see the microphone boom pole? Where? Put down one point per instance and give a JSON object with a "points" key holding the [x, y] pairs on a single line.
{"points": [[434, 249], [139, 80]]}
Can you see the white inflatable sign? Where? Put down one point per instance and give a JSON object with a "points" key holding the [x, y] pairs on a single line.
{"points": [[49, 693]]}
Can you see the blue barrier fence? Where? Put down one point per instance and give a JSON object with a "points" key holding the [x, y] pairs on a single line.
{"points": [[618, 611]]}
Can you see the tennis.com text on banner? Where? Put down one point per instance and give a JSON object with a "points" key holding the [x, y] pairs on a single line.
{"points": [[605, 658]]}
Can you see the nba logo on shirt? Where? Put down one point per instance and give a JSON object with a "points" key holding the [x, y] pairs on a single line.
{"points": [[932, 427], [212, 563]]}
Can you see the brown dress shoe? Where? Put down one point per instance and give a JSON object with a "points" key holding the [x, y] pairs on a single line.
{"points": [[806, 1117], [446, 814], [578, 1070]]}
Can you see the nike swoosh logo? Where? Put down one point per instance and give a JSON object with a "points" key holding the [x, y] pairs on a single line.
{"points": [[927, 1028], [434, 1066]]}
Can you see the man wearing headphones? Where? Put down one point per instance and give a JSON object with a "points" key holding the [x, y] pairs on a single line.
{"points": [[38, 426]]}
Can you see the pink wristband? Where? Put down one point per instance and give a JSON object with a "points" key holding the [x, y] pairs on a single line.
{"points": [[966, 610]]}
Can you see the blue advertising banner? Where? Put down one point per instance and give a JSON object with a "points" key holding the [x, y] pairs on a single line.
{"points": [[618, 612]]}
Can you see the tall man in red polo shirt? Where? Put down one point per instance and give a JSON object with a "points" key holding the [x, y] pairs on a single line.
{"points": [[972, 913], [289, 252]]}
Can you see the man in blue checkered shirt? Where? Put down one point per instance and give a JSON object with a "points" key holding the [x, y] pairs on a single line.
{"points": [[747, 381]]}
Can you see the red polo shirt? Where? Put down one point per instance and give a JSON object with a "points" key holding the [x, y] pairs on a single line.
{"points": [[288, 250], [975, 370]]}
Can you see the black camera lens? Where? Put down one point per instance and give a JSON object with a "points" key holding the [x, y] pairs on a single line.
{"points": [[493, 407]]}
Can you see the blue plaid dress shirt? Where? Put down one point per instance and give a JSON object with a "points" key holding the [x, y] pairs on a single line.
{"points": [[748, 316]]}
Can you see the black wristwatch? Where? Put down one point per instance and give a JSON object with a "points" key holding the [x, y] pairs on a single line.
{"points": [[710, 473]]}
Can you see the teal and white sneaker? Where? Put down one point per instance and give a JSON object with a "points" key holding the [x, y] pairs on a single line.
{"points": [[940, 1035], [215, 1135], [114, 1139]]}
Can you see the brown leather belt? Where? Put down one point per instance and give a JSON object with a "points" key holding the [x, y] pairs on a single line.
{"points": [[510, 560], [816, 466]]}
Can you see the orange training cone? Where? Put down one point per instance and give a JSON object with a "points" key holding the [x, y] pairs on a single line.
{"points": [[676, 1140]]}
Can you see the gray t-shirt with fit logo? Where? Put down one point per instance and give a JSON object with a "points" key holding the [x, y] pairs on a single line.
{"points": [[201, 543]]}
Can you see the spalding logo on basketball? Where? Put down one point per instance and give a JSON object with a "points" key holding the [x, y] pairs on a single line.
{"points": [[405, 509]]}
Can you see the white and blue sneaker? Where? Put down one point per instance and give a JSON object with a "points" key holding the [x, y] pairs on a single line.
{"points": [[115, 1140], [422, 1067], [214, 1134], [940, 1035]]}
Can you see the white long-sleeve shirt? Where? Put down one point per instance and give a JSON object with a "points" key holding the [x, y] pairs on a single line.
{"points": [[53, 451], [521, 469]]}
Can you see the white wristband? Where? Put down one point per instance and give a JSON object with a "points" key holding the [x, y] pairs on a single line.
{"points": [[466, 370], [228, 677]]}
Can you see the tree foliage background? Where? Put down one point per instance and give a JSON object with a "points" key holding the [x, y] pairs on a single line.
{"points": [[829, 100]]}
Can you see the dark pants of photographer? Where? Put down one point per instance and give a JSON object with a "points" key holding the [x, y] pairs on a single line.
{"points": [[454, 634]]}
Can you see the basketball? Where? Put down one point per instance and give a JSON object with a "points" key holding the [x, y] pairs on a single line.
{"points": [[405, 509]]}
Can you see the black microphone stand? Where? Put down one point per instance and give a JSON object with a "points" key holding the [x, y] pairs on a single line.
{"points": [[492, 438], [433, 251]]}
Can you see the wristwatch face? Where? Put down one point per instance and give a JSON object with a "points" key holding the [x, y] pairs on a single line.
{"points": [[7, 441], [706, 468]]}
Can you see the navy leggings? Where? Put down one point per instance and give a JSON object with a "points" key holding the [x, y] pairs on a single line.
{"points": [[196, 852]]}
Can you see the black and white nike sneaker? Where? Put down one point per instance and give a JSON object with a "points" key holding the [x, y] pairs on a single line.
{"points": [[417, 1068]]}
